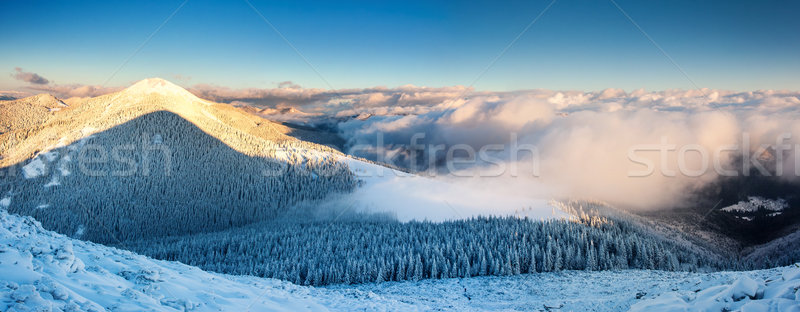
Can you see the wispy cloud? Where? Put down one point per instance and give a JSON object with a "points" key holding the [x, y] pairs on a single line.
{"points": [[40, 84], [28, 77], [288, 84]]}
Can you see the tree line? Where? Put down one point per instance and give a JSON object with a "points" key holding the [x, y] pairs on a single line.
{"points": [[359, 251]]}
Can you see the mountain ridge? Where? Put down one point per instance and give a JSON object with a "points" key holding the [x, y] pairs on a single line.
{"points": [[153, 160], [243, 131]]}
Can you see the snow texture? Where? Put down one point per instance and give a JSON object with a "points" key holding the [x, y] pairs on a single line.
{"points": [[53, 182], [44, 271], [778, 291], [34, 169], [162, 87], [5, 202]]}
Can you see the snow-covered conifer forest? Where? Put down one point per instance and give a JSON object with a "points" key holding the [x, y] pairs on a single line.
{"points": [[158, 175]]}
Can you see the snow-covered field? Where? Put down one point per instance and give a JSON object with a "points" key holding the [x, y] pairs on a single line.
{"points": [[45, 271]]}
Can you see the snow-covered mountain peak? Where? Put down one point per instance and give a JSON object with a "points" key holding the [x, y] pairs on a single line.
{"points": [[158, 86]]}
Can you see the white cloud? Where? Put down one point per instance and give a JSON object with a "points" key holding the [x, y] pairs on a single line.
{"points": [[583, 137]]}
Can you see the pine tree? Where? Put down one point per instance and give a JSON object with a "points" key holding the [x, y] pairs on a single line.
{"points": [[417, 269]]}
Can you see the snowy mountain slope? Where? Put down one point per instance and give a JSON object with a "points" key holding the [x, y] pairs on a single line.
{"points": [[41, 271], [24, 115], [163, 175], [779, 251], [154, 160], [242, 131], [413, 197], [663, 231]]}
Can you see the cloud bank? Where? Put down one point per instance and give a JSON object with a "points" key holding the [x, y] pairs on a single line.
{"points": [[341, 101], [583, 139], [39, 84]]}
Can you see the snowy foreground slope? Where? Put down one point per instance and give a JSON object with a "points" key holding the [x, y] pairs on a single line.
{"points": [[769, 290], [43, 271]]}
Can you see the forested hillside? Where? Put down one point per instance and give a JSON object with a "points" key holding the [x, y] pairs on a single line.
{"points": [[171, 178], [375, 250], [25, 115], [154, 160]]}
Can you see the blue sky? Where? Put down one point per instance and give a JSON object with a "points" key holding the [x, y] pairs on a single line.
{"points": [[576, 45]]}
